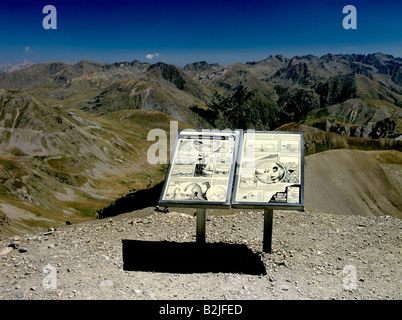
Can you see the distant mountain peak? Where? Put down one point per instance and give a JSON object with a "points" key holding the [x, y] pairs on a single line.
{"points": [[5, 68], [279, 57], [199, 66]]}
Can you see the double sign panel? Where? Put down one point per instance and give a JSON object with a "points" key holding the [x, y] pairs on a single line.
{"points": [[269, 170]]}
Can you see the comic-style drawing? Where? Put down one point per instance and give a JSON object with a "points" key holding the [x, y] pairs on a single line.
{"points": [[271, 172], [248, 181], [203, 170], [183, 171], [269, 169], [187, 191], [206, 146], [202, 167], [221, 171], [216, 193]]}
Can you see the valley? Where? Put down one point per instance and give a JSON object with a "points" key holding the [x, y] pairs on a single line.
{"points": [[73, 137]]}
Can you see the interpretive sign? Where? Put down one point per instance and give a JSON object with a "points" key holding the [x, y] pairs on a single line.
{"points": [[269, 171], [201, 169]]}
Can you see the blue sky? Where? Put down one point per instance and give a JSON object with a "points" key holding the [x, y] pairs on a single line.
{"points": [[179, 32]]}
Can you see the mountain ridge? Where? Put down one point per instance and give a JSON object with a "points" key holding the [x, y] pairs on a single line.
{"points": [[293, 86], [75, 136]]}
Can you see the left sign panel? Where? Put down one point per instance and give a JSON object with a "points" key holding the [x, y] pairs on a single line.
{"points": [[201, 169]]}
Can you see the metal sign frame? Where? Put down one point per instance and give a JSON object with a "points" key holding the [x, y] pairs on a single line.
{"points": [[272, 176], [201, 169]]}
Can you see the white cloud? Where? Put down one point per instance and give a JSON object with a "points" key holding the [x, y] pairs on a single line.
{"points": [[150, 56], [27, 49]]}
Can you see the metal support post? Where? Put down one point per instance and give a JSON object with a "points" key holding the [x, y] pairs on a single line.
{"points": [[267, 238], [201, 218]]}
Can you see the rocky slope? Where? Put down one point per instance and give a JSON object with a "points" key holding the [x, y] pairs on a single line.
{"points": [[354, 182], [311, 89], [143, 255], [280, 89], [58, 165], [73, 137]]}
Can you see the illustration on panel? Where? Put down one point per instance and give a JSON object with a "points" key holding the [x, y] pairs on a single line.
{"points": [[202, 168], [269, 171]]}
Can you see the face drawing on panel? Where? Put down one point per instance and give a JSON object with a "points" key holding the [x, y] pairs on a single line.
{"points": [[206, 146], [216, 194], [269, 172]]}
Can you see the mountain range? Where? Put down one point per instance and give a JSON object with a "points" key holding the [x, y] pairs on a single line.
{"points": [[74, 136], [327, 92]]}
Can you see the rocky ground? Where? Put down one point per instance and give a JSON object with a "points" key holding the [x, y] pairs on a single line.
{"points": [[314, 256]]}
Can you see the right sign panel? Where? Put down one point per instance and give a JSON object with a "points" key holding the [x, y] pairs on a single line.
{"points": [[270, 171]]}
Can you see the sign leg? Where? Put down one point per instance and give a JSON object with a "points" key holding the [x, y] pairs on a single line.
{"points": [[267, 238], [201, 218]]}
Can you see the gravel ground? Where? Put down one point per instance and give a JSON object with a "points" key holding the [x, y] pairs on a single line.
{"points": [[314, 256]]}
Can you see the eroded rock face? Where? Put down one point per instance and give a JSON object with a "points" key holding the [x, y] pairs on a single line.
{"points": [[355, 118], [373, 130]]}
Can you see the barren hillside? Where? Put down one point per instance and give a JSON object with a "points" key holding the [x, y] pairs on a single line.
{"points": [[354, 182]]}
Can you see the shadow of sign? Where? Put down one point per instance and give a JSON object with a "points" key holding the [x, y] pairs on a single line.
{"points": [[135, 200], [190, 257]]}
